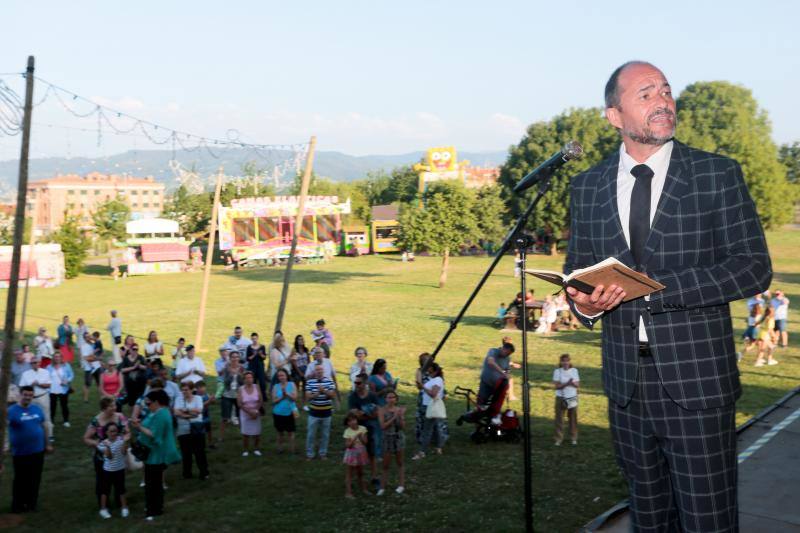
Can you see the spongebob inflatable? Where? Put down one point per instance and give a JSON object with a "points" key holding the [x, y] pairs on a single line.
{"points": [[441, 163]]}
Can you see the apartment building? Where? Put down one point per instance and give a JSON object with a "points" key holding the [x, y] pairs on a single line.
{"points": [[50, 200]]}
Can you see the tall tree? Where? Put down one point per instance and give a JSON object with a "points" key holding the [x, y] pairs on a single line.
{"points": [[110, 218], [789, 156], [74, 245], [442, 223], [191, 211], [543, 139], [403, 185], [724, 118], [490, 212]]}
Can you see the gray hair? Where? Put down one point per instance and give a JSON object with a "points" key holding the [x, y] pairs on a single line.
{"points": [[612, 85]]}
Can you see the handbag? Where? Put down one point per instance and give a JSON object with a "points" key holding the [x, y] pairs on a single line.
{"points": [[570, 403], [197, 428], [132, 463], [140, 451], [436, 409]]}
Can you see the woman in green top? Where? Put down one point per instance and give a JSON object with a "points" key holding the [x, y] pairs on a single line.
{"points": [[156, 433]]}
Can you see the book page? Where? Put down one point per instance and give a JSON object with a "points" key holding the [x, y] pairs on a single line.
{"points": [[604, 263]]}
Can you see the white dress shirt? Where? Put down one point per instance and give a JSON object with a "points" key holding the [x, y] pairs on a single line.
{"points": [[658, 163]]}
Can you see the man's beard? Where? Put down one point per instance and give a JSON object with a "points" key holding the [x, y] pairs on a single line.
{"points": [[646, 135]]}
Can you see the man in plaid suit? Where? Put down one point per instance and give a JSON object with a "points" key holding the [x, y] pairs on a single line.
{"points": [[685, 218]]}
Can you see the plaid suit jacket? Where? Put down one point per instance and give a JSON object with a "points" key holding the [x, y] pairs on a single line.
{"points": [[706, 245]]}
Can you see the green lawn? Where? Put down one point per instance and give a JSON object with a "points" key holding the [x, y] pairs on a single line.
{"points": [[395, 310]]}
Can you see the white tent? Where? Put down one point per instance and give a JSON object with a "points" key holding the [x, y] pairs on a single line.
{"points": [[149, 226]]}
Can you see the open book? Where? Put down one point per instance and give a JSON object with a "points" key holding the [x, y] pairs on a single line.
{"points": [[607, 272]]}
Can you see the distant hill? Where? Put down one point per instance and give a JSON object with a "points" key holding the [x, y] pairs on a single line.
{"points": [[334, 165]]}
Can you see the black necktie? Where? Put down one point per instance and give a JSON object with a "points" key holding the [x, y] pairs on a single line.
{"points": [[639, 222]]}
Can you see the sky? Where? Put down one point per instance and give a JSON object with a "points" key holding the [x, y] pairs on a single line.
{"points": [[376, 77]]}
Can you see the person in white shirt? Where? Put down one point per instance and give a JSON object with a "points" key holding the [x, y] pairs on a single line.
{"points": [[43, 346], [566, 381], [320, 360], [115, 330], [154, 348], [361, 366], [190, 368], [91, 365], [781, 305], [238, 343], [39, 378]]}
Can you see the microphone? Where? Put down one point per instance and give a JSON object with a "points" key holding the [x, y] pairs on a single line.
{"points": [[571, 150]]}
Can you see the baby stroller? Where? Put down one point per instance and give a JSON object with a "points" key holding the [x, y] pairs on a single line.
{"points": [[508, 430]]}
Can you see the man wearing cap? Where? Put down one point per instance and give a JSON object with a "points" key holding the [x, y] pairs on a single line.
{"points": [[191, 367]]}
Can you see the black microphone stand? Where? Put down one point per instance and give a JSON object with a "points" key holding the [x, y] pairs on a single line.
{"points": [[515, 237]]}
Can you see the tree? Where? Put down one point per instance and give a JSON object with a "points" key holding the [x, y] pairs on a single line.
{"points": [[490, 211], [7, 230], [191, 211], [444, 221], [110, 218], [403, 185], [724, 118], [74, 245], [789, 156], [590, 129]]}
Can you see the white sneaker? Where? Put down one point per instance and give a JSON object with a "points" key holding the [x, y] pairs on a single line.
{"points": [[164, 486], [574, 443], [245, 454], [150, 518], [400, 489], [66, 424], [125, 512], [772, 362], [141, 485], [759, 363], [738, 356], [257, 453], [235, 421], [105, 514], [381, 492]]}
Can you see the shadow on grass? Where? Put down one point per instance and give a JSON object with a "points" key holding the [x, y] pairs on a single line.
{"points": [[96, 270], [785, 277], [299, 275]]}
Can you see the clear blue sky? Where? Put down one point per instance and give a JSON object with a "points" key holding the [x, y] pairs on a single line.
{"points": [[383, 77]]}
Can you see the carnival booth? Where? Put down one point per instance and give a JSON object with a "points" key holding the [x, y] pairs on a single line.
{"points": [[260, 230], [154, 246], [46, 267], [384, 229], [355, 240]]}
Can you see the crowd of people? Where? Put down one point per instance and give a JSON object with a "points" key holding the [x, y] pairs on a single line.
{"points": [[156, 405], [155, 408]]}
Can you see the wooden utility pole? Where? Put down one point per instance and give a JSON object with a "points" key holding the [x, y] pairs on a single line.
{"points": [[209, 258], [16, 256], [31, 242], [298, 225]]}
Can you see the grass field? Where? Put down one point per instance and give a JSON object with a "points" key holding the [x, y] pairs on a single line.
{"points": [[395, 310]]}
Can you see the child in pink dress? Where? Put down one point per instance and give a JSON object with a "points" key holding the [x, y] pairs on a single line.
{"points": [[355, 453]]}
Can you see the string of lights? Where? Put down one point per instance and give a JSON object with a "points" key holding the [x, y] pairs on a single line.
{"points": [[279, 158], [10, 110]]}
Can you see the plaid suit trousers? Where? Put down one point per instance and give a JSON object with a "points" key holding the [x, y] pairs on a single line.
{"points": [[680, 464]]}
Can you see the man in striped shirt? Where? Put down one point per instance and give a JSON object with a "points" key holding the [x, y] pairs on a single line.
{"points": [[319, 396]]}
